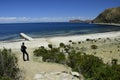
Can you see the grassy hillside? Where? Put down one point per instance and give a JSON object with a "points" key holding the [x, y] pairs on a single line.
{"points": [[86, 57], [110, 15]]}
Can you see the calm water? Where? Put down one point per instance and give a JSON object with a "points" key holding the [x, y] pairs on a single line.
{"points": [[37, 30]]}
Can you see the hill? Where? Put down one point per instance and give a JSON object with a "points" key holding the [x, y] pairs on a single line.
{"points": [[80, 21], [76, 21], [110, 15]]}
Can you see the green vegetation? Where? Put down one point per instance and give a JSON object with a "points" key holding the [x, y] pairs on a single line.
{"points": [[90, 66], [114, 61], [93, 68], [8, 66], [85, 64], [62, 45], [52, 55], [50, 46], [70, 40], [111, 15], [94, 47]]}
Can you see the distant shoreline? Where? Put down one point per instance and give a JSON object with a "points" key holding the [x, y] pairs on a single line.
{"points": [[111, 24]]}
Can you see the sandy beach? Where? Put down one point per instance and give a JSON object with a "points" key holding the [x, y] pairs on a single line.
{"points": [[37, 42], [108, 48]]}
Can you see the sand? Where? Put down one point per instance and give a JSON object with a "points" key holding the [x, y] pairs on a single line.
{"points": [[56, 40], [32, 67]]}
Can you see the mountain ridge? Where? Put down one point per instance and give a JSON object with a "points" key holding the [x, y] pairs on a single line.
{"points": [[110, 15]]}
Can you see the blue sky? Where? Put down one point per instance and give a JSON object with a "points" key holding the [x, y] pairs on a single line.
{"points": [[52, 10]]}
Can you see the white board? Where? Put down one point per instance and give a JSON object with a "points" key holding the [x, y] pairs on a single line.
{"points": [[24, 36]]}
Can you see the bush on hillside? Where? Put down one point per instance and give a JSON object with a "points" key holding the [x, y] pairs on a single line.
{"points": [[86, 64], [62, 45], [70, 40], [94, 46], [40, 52], [107, 72], [50, 46], [52, 55], [114, 61], [8, 66], [90, 66]]}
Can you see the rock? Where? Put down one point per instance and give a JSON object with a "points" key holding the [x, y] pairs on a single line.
{"points": [[55, 76], [75, 74], [38, 76]]}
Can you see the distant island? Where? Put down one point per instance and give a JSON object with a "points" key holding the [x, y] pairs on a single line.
{"points": [[80, 21], [110, 15]]}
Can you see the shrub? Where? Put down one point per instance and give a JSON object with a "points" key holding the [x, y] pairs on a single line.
{"points": [[99, 38], [52, 55], [88, 39], [118, 46], [42, 47], [114, 61], [8, 66], [79, 42], [73, 43], [86, 64], [50, 46], [62, 45], [70, 40], [40, 52], [108, 73], [92, 67], [110, 51], [94, 47], [60, 58], [108, 38], [67, 49], [83, 49]]}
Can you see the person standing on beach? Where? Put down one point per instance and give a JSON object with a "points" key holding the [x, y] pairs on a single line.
{"points": [[23, 50]]}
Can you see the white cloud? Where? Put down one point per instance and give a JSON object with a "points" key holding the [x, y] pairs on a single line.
{"points": [[7, 18], [41, 19]]}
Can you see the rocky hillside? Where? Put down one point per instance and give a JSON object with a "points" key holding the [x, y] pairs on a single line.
{"points": [[110, 15]]}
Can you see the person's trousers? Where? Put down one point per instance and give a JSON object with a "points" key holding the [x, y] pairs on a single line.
{"points": [[25, 56]]}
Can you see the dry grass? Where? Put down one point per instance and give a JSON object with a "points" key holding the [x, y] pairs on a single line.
{"points": [[30, 68], [106, 49]]}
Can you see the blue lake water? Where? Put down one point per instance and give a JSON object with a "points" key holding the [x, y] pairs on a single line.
{"points": [[37, 30]]}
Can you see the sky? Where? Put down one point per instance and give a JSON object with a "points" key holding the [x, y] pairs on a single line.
{"points": [[52, 10]]}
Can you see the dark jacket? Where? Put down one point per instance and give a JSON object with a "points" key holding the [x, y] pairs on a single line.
{"points": [[23, 48]]}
